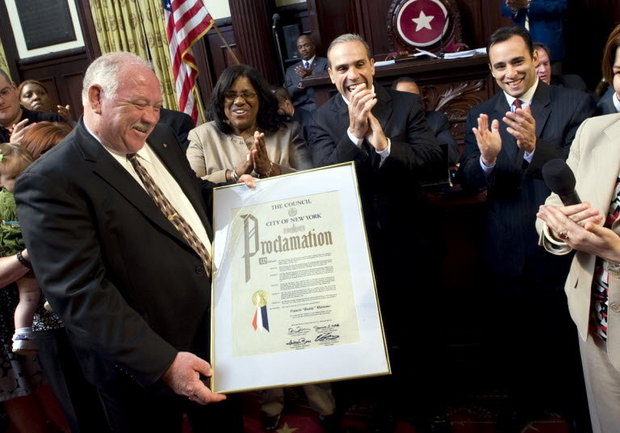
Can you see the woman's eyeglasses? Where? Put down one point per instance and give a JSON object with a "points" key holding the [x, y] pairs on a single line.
{"points": [[231, 96]]}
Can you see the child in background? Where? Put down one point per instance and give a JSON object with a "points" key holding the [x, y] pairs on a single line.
{"points": [[13, 160]]}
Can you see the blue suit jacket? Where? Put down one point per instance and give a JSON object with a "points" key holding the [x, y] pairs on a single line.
{"points": [[606, 105], [516, 188], [546, 21], [303, 98]]}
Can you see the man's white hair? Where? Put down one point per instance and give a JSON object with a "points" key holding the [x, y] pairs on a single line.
{"points": [[105, 71]]}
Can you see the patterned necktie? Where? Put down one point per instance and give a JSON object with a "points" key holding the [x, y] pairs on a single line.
{"points": [[170, 213], [306, 64], [600, 282], [526, 24], [516, 104]]}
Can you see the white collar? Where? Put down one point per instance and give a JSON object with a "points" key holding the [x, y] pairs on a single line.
{"points": [[309, 61], [616, 101], [527, 97]]}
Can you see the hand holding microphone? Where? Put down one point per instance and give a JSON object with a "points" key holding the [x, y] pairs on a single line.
{"points": [[564, 221], [560, 179]]}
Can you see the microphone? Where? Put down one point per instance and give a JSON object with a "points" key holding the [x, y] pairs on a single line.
{"points": [[274, 20], [560, 179]]}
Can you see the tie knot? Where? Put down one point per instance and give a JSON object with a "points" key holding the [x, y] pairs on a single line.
{"points": [[517, 103], [306, 64], [133, 159]]}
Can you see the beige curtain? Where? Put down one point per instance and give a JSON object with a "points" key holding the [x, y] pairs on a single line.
{"points": [[3, 63], [136, 26]]}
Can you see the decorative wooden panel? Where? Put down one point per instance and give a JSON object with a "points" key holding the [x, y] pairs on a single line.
{"points": [[456, 99], [252, 26]]}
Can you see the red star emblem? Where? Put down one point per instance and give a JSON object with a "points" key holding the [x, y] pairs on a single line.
{"points": [[422, 22]]}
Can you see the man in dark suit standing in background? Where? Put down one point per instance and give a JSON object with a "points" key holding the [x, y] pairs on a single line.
{"points": [[508, 139], [303, 98], [181, 123], [437, 120], [385, 133], [105, 216]]}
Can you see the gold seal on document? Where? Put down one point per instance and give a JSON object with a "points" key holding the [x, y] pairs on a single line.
{"points": [[260, 298]]}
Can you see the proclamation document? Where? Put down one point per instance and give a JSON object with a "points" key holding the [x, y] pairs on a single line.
{"points": [[294, 297]]}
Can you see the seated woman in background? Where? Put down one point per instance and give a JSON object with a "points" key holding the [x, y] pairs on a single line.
{"points": [[34, 96], [245, 135]]}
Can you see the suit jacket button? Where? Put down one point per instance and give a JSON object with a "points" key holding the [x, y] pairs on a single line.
{"points": [[615, 308], [200, 270]]}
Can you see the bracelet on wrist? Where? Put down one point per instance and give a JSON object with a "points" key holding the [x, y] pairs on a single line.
{"points": [[269, 172], [21, 259], [233, 175]]}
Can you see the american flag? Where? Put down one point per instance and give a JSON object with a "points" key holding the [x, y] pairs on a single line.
{"points": [[186, 22]]}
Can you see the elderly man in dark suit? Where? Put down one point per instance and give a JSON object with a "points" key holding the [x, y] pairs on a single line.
{"points": [[385, 133], [102, 215], [310, 63], [508, 140]]}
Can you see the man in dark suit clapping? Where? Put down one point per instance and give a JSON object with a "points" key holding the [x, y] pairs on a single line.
{"points": [[385, 133], [116, 226], [508, 139], [303, 98]]}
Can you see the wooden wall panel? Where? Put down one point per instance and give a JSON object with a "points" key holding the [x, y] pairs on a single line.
{"points": [[213, 56], [331, 18], [373, 24], [252, 21]]}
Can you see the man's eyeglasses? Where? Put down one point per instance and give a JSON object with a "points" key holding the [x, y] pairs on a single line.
{"points": [[5, 92], [231, 96]]}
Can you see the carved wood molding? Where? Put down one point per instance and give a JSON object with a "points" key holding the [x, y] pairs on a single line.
{"points": [[455, 100]]}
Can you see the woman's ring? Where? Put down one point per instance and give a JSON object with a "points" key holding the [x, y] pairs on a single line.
{"points": [[563, 235]]}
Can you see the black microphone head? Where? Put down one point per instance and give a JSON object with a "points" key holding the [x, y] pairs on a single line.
{"points": [[559, 177]]}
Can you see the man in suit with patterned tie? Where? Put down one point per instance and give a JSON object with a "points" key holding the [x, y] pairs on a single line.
{"points": [[117, 228], [310, 64], [505, 150]]}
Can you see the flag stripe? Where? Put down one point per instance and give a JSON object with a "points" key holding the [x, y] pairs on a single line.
{"points": [[186, 22]]}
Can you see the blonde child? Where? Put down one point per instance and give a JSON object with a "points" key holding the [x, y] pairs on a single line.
{"points": [[13, 160]]}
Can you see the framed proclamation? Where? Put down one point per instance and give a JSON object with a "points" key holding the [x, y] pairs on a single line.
{"points": [[294, 297]]}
